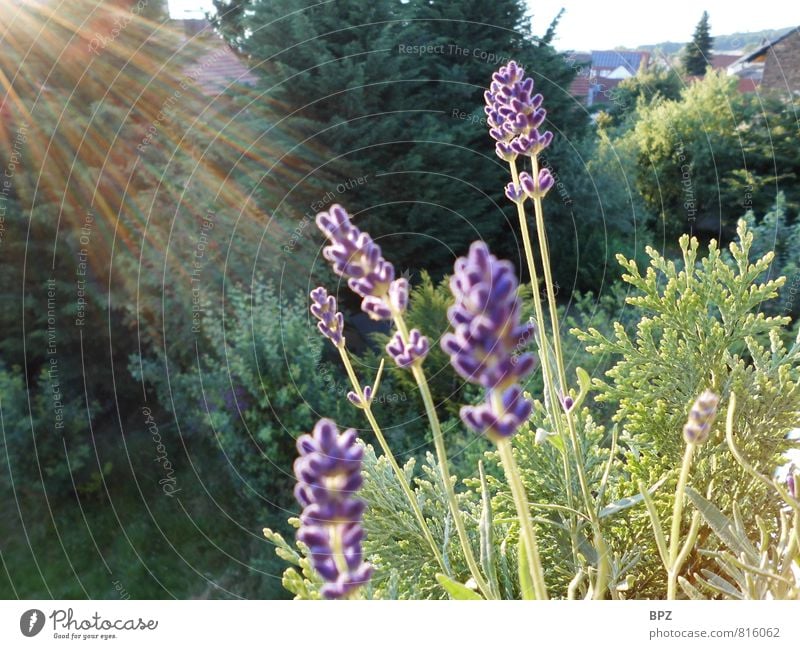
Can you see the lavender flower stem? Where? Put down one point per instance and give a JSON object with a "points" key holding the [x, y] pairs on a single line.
{"points": [[527, 533], [387, 452], [548, 378], [677, 512], [548, 281], [788, 497], [591, 510], [441, 453], [537, 306]]}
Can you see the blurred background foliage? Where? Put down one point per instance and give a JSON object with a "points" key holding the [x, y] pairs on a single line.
{"points": [[188, 218]]}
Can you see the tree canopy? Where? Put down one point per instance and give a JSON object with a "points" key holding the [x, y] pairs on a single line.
{"points": [[697, 55]]}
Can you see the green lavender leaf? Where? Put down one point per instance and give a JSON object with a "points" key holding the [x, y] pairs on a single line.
{"points": [[486, 530], [722, 526], [525, 582], [456, 590], [625, 503], [690, 590]]}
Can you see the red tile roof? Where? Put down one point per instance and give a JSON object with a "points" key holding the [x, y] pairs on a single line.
{"points": [[719, 61], [747, 85], [580, 87]]}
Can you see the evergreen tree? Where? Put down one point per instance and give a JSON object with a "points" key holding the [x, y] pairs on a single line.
{"points": [[697, 55], [394, 92]]}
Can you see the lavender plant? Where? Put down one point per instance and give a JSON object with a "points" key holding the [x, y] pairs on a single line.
{"points": [[560, 506], [484, 349], [695, 433]]}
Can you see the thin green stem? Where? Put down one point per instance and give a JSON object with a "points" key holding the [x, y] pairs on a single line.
{"points": [[787, 497], [796, 528], [441, 454], [677, 512], [545, 364], [527, 533], [544, 250], [387, 452], [603, 569], [688, 544], [537, 304]]}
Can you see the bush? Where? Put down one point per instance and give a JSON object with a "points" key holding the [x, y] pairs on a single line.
{"points": [[701, 327], [261, 382], [45, 443]]}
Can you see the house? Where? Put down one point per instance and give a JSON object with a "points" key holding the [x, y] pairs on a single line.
{"points": [[600, 71], [773, 66], [617, 64], [723, 61]]}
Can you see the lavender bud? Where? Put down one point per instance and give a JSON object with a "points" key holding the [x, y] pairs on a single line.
{"points": [[328, 475], [791, 482], [514, 193], [398, 294], [566, 402], [701, 418], [504, 151], [539, 187], [376, 308], [357, 401], [498, 420], [407, 353], [331, 322]]}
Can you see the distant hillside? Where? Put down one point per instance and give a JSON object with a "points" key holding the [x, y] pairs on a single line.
{"points": [[743, 41]]}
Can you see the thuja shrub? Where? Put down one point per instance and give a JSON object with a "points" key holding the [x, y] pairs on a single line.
{"points": [[671, 496], [701, 324]]}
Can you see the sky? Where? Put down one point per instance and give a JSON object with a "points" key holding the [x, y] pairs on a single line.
{"points": [[605, 24]]}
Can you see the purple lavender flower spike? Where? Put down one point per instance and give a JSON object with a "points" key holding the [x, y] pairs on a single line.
{"points": [[328, 475], [486, 340], [355, 256], [487, 332], [514, 114], [701, 417], [791, 482], [406, 354], [331, 322]]}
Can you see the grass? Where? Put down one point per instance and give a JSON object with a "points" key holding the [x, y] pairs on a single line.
{"points": [[128, 539]]}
